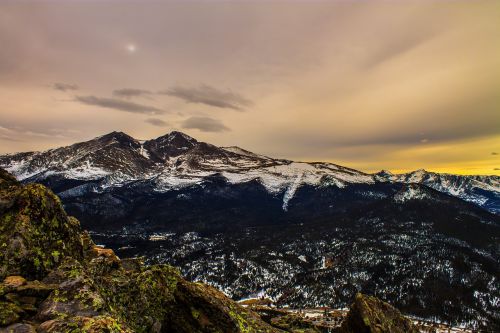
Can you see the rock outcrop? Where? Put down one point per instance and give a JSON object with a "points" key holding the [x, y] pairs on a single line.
{"points": [[35, 232], [371, 315]]}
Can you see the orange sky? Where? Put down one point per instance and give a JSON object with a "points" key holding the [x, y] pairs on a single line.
{"points": [[397, 85]]}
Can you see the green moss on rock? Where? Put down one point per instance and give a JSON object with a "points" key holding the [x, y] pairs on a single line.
{"points": [[35, 232], [294, 323], [6, 179], [9, 313], [98, 324], [371, 315]]}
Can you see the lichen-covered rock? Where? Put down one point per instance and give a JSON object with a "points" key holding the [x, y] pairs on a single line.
{"points": [[18, 328], [8, 187], [99, 324], [132, 264], [35, 232], [9, 313], [36, 289], [368, 314], [6, 179], [201, 308], [289, 321], [294, 323]]}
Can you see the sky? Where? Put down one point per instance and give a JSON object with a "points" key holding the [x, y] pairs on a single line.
{"points": [[395, 85]]}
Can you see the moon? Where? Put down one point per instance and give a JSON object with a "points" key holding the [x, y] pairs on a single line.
{"points": [[131, 48]]}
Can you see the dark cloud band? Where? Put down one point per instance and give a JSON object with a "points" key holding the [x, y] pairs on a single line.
{"points": [[204, 124], [211, 96], [156, 122], [64, 86], [131, 92], [118, 104]]}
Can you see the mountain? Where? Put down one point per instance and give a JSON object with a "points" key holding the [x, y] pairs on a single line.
{"points": [[177, 160], [55, 279], [169, 162], [484, 191], [300, 234]]}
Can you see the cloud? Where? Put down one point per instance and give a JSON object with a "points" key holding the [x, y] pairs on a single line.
{"points": [[156, 122], [208, 95], [131, 92], [204, 124], [118, 104], [64, 86], [4, 137], [12, 132], [397, 46], [494, 153]]}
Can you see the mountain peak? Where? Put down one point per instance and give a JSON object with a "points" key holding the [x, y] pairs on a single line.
{"points": [[170, 145], [116, 135], [176, 135], [175, 138], [384, 173]]}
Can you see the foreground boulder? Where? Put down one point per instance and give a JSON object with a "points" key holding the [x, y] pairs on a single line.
{"points": [[35, 232], [371, 315], [289, 321]]}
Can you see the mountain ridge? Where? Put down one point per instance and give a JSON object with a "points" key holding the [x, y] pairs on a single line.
{"points": [[241, 150], [176, 160]]}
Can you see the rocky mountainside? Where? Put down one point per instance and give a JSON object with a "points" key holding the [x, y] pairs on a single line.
{"points": [[55, 279], [177, 160], [484, 191], [432, 255], [300, 234]]}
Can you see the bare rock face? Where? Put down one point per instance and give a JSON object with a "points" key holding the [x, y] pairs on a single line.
{"points": [[6, 178], [368, 314], [14, 281]]}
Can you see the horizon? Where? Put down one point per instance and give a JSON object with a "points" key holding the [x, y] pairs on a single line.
{"points": [[373, 86]]}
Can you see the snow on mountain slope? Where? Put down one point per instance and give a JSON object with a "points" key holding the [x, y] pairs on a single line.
{"points": [[244, 152], [411, 192], [177, 160], [173, 160], [481, 190]]}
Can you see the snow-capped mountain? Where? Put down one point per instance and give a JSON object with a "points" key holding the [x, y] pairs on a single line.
{"points": [[481, 190], [177, 160], [303, 234]]}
